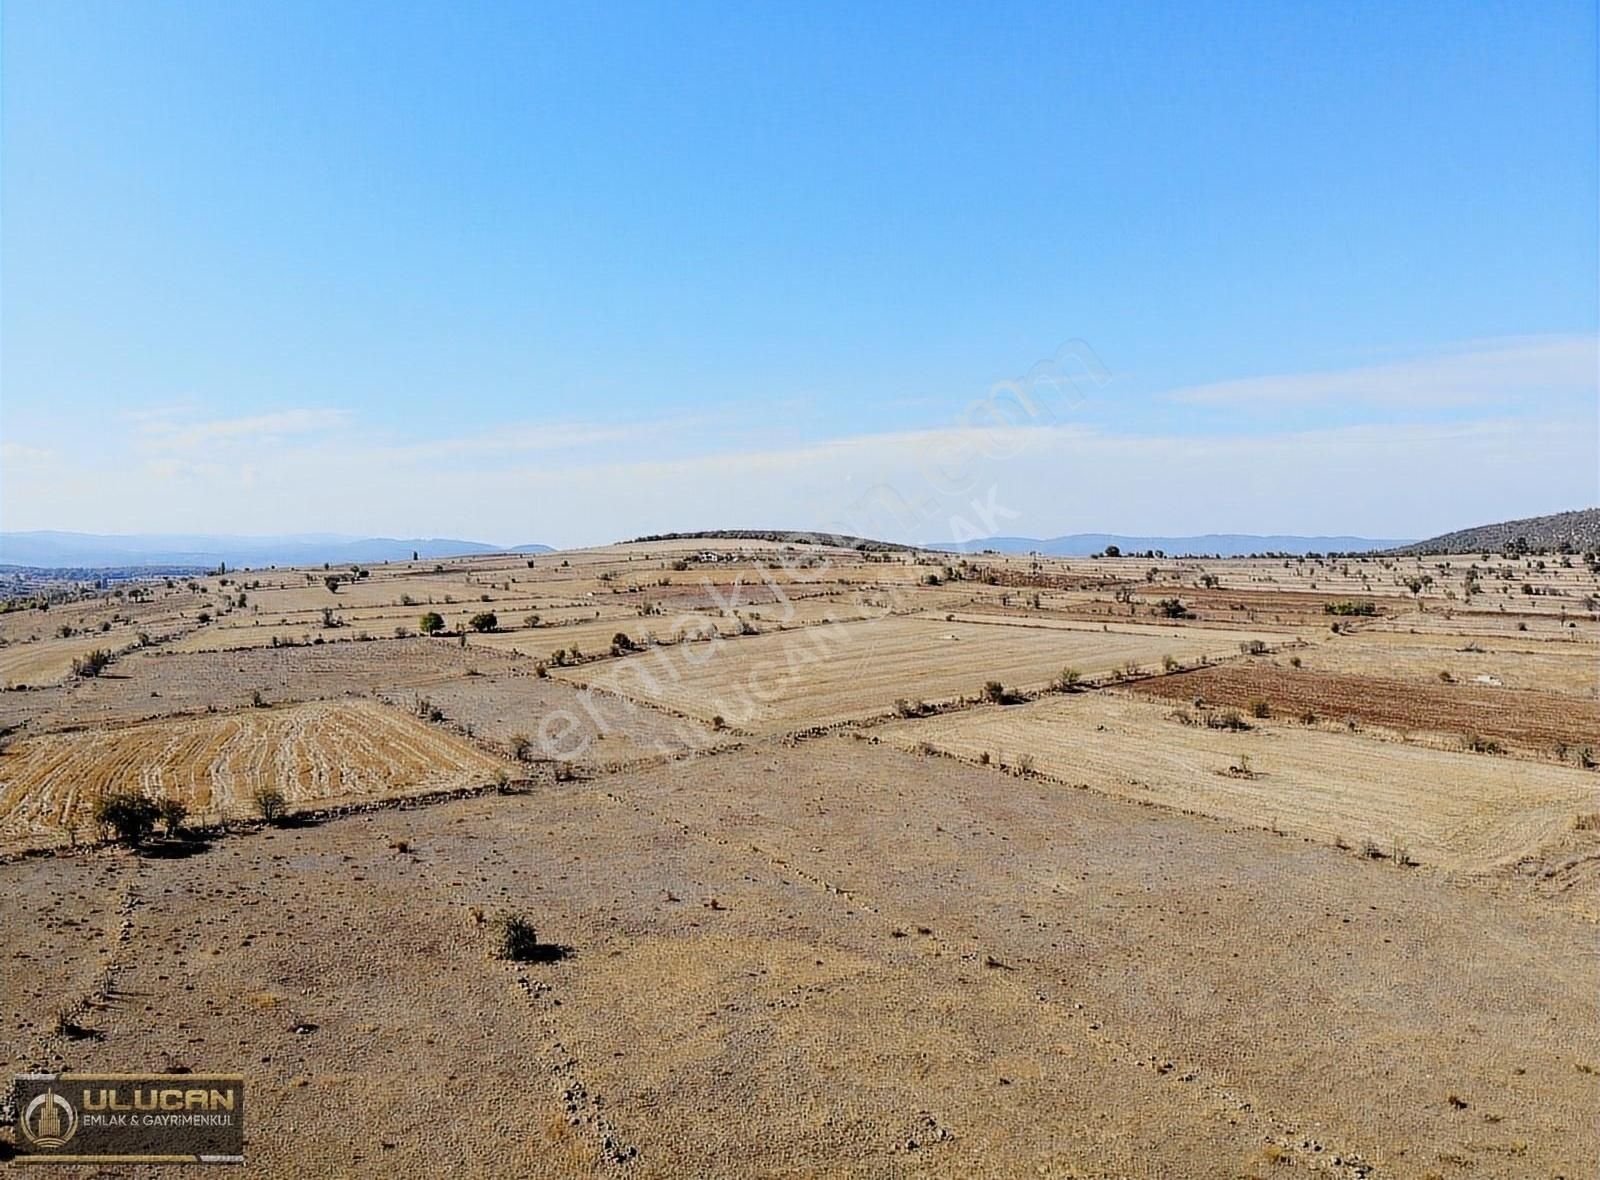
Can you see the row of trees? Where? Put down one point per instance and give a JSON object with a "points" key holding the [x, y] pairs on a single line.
{"points": [[432, 623], [132, 816]]}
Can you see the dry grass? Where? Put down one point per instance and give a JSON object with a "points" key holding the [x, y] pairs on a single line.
{"points": [[215, 764], [1454, 810]]}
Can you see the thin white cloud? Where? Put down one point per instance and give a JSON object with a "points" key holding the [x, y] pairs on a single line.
{"points": [[170, 432], [14, 452], [1475, 375], [576, 482]]}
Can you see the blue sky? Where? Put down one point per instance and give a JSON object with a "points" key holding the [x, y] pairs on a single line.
{"points": [[568, 274]]}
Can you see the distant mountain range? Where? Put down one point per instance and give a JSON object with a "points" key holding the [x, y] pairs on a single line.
{"points": [[1220, 544], [1578, 531], [61, 550]]}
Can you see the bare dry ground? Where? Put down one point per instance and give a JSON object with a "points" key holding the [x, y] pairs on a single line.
{"points": [[561, 720], [831, 959], [159, 682], [1126, 946]]}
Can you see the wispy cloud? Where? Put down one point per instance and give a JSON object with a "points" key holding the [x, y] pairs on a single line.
{"points": [[15, 452], [174, 431], [1475, 375], [1410, 470]]}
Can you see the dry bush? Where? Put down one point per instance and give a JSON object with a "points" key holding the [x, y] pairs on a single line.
{"points": [[516, 939], [128, 814], [91, 663], [269, 803]]}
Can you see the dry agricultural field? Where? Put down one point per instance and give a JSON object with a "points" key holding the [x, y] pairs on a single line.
{"points": [[846, 863]]}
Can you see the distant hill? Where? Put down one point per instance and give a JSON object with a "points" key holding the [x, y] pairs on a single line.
{"points": [[1220, 544], [57, 550], [791, 536], [1577, 531]]}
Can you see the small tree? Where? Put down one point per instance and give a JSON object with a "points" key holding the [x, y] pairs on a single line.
{"points": [[172, 812], [431, 623], [1172, 608], [129, 814], [332, 583], [1068, 680], [994, 692], [485, 620], [270, 803], [91, 663]]}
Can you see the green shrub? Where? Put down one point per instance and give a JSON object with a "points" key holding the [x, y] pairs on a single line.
{"points": [[1173, 608], [485, 620], [431, 623], [1350, 607], [516, 939]]}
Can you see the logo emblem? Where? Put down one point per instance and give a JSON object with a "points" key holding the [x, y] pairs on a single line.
{"points": [[49, 1120]]}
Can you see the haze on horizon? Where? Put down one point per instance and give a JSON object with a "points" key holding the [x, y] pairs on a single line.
{"points": [[573, 276]]}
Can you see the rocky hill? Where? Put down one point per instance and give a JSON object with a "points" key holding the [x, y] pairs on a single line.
{"points": [[1573, 532]]}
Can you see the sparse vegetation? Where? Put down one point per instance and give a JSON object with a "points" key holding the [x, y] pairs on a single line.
{"points": [[1362, 609], [269, 803], [516, 939], [130, 816], [92, 663]]}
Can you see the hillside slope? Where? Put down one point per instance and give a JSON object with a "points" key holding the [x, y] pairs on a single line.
{"points": [[1578, 531]]}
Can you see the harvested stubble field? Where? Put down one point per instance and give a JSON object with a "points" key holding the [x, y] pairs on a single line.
{"points": [[1469, 812], [314, 753], [1530, 719], [820, 675], [790, 954], [1569, 668]]}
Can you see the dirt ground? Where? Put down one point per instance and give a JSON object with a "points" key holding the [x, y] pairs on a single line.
{"points": [[824, 939], [831, 959], [1533, 720]]}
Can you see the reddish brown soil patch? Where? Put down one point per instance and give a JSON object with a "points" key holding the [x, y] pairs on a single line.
{"points": [[1520, 716]]}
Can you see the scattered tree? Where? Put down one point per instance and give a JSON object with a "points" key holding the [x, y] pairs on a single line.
{"points": [[128, 814], [269, 803], [91, 663]]}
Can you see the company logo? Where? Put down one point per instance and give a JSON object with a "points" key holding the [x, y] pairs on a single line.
{"points": [[123, 1118], [49, 1120]]}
